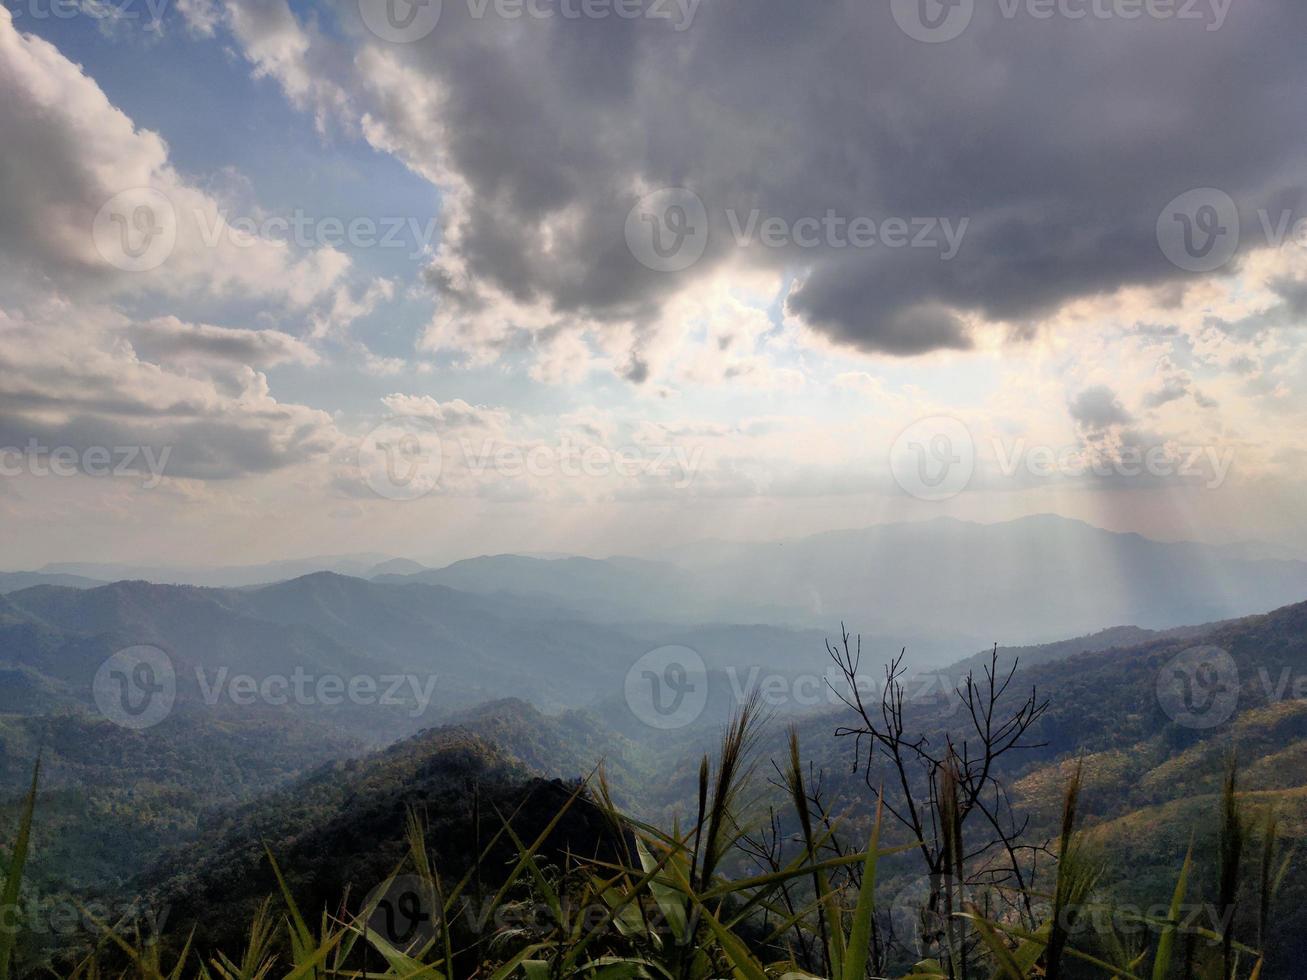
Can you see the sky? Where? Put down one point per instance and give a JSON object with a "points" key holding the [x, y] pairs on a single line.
{"points": [[456, 277]]}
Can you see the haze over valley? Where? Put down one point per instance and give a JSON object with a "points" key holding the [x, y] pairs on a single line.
{"points": [[633, 489]]}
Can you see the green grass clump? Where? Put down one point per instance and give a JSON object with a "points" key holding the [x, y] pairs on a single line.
{"points": [[683, 905]]}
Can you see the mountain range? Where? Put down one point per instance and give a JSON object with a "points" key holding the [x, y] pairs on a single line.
{"points": [[1151, 779], [939, 587], [527, 661]]}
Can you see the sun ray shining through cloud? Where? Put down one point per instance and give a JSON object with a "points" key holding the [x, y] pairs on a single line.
{"points": [[863, 267]]}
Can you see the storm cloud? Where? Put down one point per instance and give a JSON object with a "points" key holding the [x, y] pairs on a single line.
{"points": [[1059, 140]]}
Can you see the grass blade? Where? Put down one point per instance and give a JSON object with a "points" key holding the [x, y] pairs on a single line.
{"points": [[1165, 945], [8, 937], [855, 964]]}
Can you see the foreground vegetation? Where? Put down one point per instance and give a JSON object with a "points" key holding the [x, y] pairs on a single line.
{"points": [[733, 893]]}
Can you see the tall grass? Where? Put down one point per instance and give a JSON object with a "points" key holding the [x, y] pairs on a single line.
{"points": [[14, 877], [675, 905]]}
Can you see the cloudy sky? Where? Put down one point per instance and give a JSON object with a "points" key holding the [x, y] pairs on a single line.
{"points": [[613, 276]]}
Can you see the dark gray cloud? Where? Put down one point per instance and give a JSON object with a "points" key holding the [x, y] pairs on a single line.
{"points": [[1097, 409], [1061, 141], [203, 448], [1170, 390], [637, 370], [1294, 294]]}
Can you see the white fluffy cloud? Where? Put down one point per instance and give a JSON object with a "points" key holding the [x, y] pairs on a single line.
{"points": [[83, 193], [69, 377], [91, 204], [168, 339]]}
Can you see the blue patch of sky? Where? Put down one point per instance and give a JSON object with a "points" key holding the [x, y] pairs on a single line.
{"points": [[199, 95]]}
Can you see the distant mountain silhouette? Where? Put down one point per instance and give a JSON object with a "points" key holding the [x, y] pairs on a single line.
{"points": [[941, 586], [14, 581]]}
